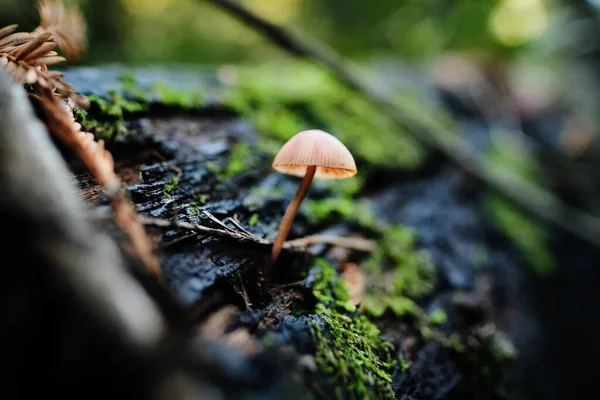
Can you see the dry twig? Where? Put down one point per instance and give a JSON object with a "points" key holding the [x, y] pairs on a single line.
{"points": [[337, 241], [357, 244], [539, 202]]}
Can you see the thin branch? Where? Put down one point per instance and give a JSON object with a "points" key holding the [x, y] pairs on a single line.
{"points": [[163, 223], [296, 244], [539, 202], [359, 244], [217, 221], [239, 226]]}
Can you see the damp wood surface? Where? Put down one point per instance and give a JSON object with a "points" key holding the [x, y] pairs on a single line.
{"points": [[431, 312]]}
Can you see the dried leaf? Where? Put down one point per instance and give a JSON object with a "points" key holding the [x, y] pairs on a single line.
{"points": [[355, 281]]}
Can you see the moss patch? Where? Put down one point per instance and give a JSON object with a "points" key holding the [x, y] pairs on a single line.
{"points": [[329, 289], [241, 158], [438, 317], [187, 100], [253, 219], [284, 99], [525, 233], [107, 114], [328, 209], [169, 187], [529, 236], [349, 348], [398, 274]]}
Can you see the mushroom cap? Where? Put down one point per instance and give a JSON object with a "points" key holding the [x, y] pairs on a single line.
{"points": [[315, 148]]}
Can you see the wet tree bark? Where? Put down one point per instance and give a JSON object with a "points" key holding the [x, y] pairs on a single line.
{"points": [[214, 330]]}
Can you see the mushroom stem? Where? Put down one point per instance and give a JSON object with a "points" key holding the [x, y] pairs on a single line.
{"points": [[290, 214]]}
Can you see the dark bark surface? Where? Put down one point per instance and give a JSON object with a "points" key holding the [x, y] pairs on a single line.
{"points": [[173, 161]]}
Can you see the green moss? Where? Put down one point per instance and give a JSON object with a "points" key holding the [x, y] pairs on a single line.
{"points": [[438, 317], [284, 99], [106, 119], [359, 211], [349, 348], [194, 211], [131, 89], [193, 208], [328, 289], [343, 187], [167, 95], [240, 159], [403, 364], [169, 187], [399, 273], [213, 167], [527, 235], [253, 220], [161, 92], [107, 114], [525, 232]]}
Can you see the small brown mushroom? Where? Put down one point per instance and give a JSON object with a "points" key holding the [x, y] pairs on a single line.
{"points": [[310, 154]]}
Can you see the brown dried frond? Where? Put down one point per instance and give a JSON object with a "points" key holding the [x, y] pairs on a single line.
{"points": [[60, 122], [67, 26], [26, 56]]}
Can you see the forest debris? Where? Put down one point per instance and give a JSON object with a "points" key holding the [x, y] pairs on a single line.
{"points": [[36, 187], [353, 243], [26, 57], [100, 163], [358, 244]]}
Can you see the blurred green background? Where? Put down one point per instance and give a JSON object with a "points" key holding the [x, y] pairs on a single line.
{"points": [[191, 31]]}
